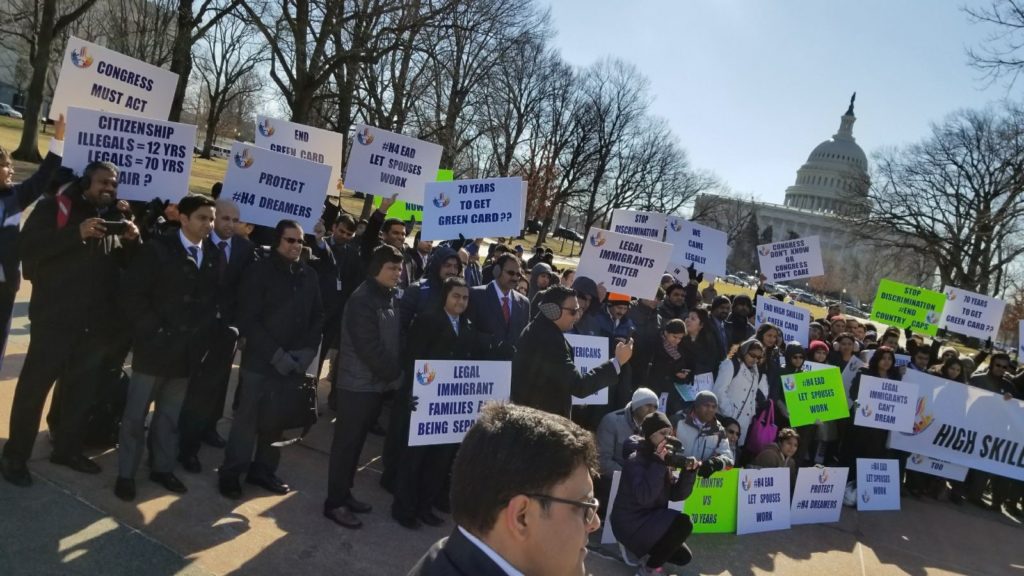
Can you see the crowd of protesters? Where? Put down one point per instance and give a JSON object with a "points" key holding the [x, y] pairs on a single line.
{"points": [[183, 287]]}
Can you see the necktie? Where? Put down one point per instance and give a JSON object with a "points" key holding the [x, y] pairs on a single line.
{"points": [[222, 268], [505, 311], [194, 251]]}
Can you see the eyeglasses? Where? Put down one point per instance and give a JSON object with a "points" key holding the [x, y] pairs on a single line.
{"points": [[291, 240], [574, 311], [589, 506]]}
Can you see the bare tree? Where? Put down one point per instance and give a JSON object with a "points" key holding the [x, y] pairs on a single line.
{"points": [[192, 23], [142, 29], [1000, 55]]}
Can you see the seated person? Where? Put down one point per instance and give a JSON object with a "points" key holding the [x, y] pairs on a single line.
{"points": [[641, 519], [701, 434], [780, 454]]}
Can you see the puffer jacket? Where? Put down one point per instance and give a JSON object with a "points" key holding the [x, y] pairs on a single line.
{"points": [[703, 441]]}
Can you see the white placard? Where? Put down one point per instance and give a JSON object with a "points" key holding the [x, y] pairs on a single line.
{"points": [[791, 259], [809, 366], [818, 495], [705, 381], [1020, 339], [928, 465], [704, 247], [522, 204], [626, 264], [607, 537], [98, 78], [650, 225], [306, 142], [849, 373], [473, 208], [878, 484], [154, 157], [794, 321], [383, 163], [451, 394], [763, 500], [901, 360], [886, 404], [269, 186], [972, 314], [965, 425], [589, 352]]}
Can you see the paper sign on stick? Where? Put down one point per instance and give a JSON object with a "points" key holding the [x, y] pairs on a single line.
{"points": [[383, 163], [928, 465], [704, 247], [649, 225], [451, 394], [472, 208], [818, 495], [886, 404], [813, 396], [306, 142], [878, 484], [791, 259], [763, 500], [794, 321], [712, 504], [972, 314], [98, 78], [154, 157], [269, 186], [907, 306], [589, 352], [626, 264]]}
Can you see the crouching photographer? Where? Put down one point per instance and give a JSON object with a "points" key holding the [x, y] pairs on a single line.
{"points": [[641, 520]]}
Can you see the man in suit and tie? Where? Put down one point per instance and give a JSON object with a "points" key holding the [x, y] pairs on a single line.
{"points": [[498, 311], [513, 518], [207, 389], [170, 294]]}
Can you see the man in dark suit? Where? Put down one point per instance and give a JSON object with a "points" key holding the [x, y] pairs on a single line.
{"points": [[13, 199], [170, 294], [338, 265], [207, 388], [498, 311], [516, 519]]}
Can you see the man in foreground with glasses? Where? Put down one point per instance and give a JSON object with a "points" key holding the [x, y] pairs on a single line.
{"points": [[515, 518], [543, 373]]}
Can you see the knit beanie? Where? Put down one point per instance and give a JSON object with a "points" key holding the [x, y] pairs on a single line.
{"points": [[704, 397], [654, 422], [642, 397]]}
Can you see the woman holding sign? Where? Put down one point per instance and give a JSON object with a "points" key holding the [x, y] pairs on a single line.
{"points": [[861, 441]]}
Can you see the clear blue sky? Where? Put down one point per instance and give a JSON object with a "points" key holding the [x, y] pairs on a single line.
{"points": [[751, 86]]}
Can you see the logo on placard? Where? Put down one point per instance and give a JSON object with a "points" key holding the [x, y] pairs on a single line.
{"points": [[917, 459], [865, 497], [243, 159], [442, 200], [364, 136], [932, 317], [265, 127], [765, 250], [597, 240], [676, 225], [425, 376], [80, 57], [823, 477], [759, 319], [951, 295], [747, 483], [922, 418], [789, 383]]}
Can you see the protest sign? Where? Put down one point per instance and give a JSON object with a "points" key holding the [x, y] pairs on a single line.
{"points": [[451, 394], [763, 500], [705, 381], [522, 207], [878, 484], [810, 366], [1020, 339], [472, 208], [928, 465], [383, 163], [902, 360], [712, 504], [793, 321], [813, 396], [406, 211], [791, 259], [886, 404], [849, 373], [607, 536], [972, 314], [626, 264], [908, 306], [818, 495], [589, 352], [98, 78], [704, 247], [154, 157], [306, 142], [965, 425], [269, 186], [633, 223]]}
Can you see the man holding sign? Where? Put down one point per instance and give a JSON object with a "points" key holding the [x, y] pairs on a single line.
{"points": [[543, 373]]}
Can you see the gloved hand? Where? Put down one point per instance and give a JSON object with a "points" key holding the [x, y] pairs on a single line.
{"points": [[303, 358], [283, 363], [414, 403], [695, 278], [710, 466], [908, 333]]}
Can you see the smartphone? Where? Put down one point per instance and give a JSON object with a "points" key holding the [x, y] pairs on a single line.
{"points": [[115, 228]]}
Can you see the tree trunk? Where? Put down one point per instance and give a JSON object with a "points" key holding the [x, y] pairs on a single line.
{"points": [[28, 148], [212, 119], [181, 57]]}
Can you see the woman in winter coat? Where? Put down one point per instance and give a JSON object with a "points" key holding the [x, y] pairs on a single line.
{"points": [[862, 441], [668, 366], [700, 350], [641, 519], [781, 454], [740, 385]]}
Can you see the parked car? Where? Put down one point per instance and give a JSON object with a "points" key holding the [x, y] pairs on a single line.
{"points": [[563, 232], [809, 299], [733, 279], [6, 110]]}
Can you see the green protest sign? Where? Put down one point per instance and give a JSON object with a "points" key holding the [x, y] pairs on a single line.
{"points": [[406, 212], [712, 505], [908, 306], [815, 395]]}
